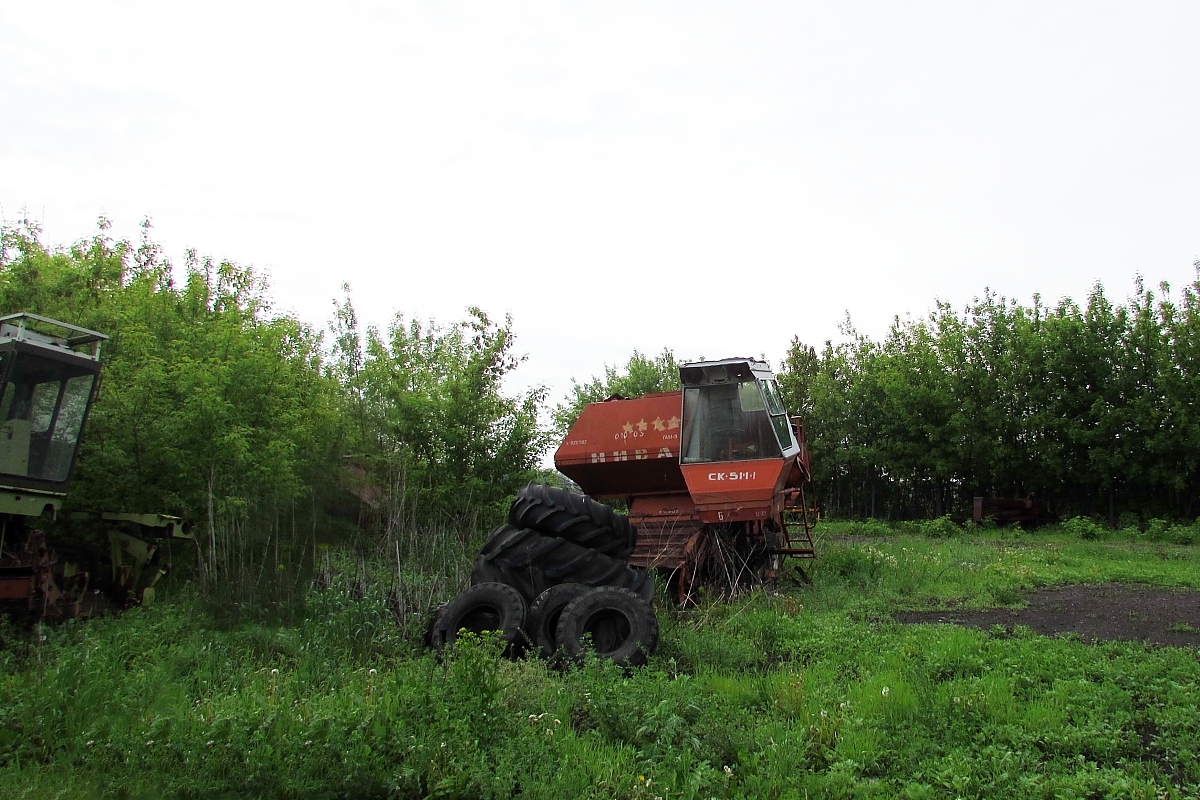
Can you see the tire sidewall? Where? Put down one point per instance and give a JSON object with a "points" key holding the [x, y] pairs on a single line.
{"points": [[581, 613], [505, 602]]}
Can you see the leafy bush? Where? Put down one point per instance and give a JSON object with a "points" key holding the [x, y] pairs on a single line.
{"points": [[871, 527], [1083, 528], [1182, 534], [1156, 529], [939, 528]]}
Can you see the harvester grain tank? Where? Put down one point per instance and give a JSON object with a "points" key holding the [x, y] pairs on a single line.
{"points": [[713, 475]]}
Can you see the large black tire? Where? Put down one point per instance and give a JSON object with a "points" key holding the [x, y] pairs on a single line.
{"points": [[574, 517], [615, 623], [542, 620], [532, 563], [485, 607], [503, 538], [500, 561]]}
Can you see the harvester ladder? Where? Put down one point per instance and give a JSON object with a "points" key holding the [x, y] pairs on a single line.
{"points": [[798, 540]]}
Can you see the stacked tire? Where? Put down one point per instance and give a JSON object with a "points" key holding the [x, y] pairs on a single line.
{"points": [[556, 579]]}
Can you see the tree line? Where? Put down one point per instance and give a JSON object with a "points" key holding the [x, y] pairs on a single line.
{"points": [[276, 439], [1090, 409]]}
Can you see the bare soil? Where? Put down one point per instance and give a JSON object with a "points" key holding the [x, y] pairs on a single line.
{"points": [[1109, 611]]}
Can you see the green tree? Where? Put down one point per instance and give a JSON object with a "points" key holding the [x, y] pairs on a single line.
{"points": [[640, 375], [211, 408], [432, 420], [796, 375]]}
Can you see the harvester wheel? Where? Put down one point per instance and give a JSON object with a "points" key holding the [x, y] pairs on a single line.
{"points": [[542, 620], [574, 517], [614, 623], [486, 607]]}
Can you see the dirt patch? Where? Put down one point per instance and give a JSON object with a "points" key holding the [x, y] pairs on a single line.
{"points": [[1109, 611]]}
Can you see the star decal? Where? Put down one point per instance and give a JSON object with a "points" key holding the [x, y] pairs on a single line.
{"points": [[659, 425], [642, 425], [627, 427], [672, 423]]}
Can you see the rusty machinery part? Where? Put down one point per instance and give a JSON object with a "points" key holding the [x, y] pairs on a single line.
{"points": [[1028, 511], [484, 607], [532, 563], [613, 623], [542, 620], [79, 570], [739, 556], [138, 552], [93, 564], [574, 517], [50, 582], [46, 597], [728, 559]]}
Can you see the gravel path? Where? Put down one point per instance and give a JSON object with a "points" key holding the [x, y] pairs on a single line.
{"points": [[1109, 611]]}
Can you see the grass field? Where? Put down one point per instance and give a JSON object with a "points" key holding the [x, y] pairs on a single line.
{"points": [[800, 692]]}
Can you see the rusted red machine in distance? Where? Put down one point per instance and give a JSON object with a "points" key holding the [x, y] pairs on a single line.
{"points": [[711, 474]]}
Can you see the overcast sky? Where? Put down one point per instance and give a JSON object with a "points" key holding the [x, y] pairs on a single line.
{"points": [[710, 177]]}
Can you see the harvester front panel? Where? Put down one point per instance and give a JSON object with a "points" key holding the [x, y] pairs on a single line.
{"points": [[735, 491]]}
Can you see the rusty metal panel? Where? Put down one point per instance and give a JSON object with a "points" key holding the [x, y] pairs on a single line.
{"points": [[664, 507], [664, 524], [663, 544], [620, 447], [16, 587], [728, 491]]}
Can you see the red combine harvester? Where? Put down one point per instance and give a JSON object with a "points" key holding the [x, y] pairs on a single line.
{"points": [[712, 474]]}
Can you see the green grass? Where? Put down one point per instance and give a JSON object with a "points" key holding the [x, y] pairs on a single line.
{"points": [[795, 693], [885, 569]]}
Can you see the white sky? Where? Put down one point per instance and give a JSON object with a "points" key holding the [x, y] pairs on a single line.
{"points": [[710, 177]]}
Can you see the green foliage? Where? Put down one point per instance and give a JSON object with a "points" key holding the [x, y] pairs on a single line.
{"points": [[217, 409], [431, 420], [1157, 529], [640, 375], [1087, 407], [1083, 528], [796, 375], [763, 698], [940, 528], [212, 408], [1160, 530], [209, 401]]}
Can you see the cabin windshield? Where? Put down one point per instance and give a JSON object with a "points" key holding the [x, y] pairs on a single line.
{"points": [[43, 404], [728, 422]]}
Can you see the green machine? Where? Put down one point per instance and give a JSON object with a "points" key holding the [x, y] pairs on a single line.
{"points": [[50, 567]]}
